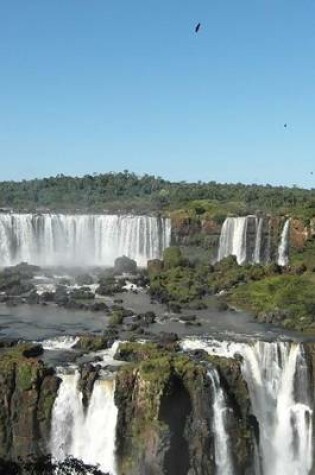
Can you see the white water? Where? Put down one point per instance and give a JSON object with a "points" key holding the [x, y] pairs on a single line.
{"points": [[283, 251], [88, 437], [233, 239], [59, 343], [257, 258], [223, 460], [242, 237], [56, 239], [272, 372]]}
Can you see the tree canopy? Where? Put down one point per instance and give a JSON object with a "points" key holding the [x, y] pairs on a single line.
{"points": [[130, 192]]}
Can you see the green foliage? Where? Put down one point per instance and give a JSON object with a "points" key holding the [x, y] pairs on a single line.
{"points": [[127, 191], [179, 284], [117, 317], [305, 256], [24, 376], [293, 294], [172, 257]]}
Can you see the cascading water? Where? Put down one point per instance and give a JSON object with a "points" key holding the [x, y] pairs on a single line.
{"points": [[283, 251], [89, 436], [223, 461], [278, 386], [243, 237], [59, 343], [257, 258], [233, 239], [56, 239]]}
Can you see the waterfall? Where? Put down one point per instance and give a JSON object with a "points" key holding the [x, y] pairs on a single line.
{"points": [[243, 237], [89, 436], [258, 241], [283, 250], [278, 387], [57, 239], [223, 461], [233, 239]]}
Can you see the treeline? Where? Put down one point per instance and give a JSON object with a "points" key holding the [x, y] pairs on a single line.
{"points": [[128, 191]]}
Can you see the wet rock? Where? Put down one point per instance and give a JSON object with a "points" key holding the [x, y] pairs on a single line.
{"points": [[131, 327], [89, 375], [33, 351], [89, 343], [125, 265], [147, 318], [27, 393], [108, 286], [174, 307], [84, 279], [165, 403], [187, 318]]}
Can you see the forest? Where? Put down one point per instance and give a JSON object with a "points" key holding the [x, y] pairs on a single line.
{"points": [[129, 192]]}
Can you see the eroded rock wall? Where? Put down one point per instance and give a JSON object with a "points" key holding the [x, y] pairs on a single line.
{"points": [[165, 421], [27, 394]]}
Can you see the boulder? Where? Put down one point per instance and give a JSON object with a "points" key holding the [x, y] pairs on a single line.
{"points": [[125, 265]]}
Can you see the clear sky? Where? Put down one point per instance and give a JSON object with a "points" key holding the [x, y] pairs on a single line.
{"points": [[105, 85]]}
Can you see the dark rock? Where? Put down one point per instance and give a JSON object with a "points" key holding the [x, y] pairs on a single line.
{"points": [[89, 375], [33, 351], [175, 307], [222, 306], [165, 413], [89, 343], [125, 265], [27, 394], [147, 317], [131, 327], [84, 279], [98, 307], [108, 286], [81, 294]]}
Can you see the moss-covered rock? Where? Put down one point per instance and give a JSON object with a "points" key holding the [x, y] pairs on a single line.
{"points": [[27, 392], [165, 412]]}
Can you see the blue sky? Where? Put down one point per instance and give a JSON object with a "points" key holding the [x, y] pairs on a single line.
{"points": [[105, 85]]}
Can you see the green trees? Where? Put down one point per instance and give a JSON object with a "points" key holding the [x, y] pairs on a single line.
{"points": [[127, 191]]}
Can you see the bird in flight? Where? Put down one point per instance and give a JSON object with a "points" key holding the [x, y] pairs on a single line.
{"points": [[197, 27], [285, 125]]}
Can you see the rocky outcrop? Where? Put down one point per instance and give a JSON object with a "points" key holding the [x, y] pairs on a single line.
{"points": [[27, 393], [190, 229], [299, 234], [165, 418]]}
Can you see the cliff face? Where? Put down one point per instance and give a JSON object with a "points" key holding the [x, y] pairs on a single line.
{"points": [[165, 421], [299, 233], [189, 229], [27, 394]]}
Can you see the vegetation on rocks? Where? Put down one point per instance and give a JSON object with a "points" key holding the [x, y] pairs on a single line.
{"points": [[284, 296], [164, 398], [30, 388], [288, 300]]}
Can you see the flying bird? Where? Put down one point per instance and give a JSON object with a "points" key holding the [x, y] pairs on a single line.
{"points": [[197, 27], [285, 125]]}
